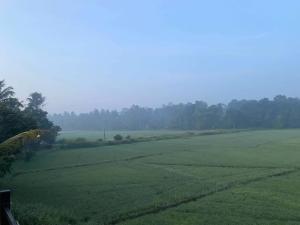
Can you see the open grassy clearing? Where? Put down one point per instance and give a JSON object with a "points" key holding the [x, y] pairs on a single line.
{"points": [[240, 178]]}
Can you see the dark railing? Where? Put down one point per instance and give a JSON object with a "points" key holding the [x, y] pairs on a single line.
{"points": [[6, 217]]}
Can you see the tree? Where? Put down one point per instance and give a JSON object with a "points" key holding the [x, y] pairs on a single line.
{"points": [[280, 112], [35, 111], [12, 120], [36, 101], [118, 137], [5, 92]]}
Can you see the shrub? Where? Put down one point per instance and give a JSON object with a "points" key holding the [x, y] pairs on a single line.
{"points": [[76, 143], [5, 164], [118, 137], [80, 139], [111, 143], [128, 137], [61, 141]]}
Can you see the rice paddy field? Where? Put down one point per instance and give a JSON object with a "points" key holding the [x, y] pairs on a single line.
{"points": [[250, 177]]}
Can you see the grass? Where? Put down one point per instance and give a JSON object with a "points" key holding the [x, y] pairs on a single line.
{"points": [[234, 178], [73, 141], [95, 135]]}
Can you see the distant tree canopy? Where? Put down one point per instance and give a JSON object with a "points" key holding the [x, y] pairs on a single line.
{"points": [[280, 112]]}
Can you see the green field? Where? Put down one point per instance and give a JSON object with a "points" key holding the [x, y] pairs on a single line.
{"points": [[95, 135], [243, 178]]}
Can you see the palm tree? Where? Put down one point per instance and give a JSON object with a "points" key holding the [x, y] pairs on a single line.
{"points": [[35, 101], [5, 92]]}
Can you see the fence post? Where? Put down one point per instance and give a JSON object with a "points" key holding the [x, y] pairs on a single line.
{"points": [[4, 205]]}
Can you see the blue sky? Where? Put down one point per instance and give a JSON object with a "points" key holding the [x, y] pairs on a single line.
{"points": [[111, 54]]}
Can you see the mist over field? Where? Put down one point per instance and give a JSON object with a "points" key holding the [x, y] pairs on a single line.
{"points": [[153, 112], [113, 54], [277, 113]]}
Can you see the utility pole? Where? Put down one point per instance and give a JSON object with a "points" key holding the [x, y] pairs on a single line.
{"points": [[104, 131], [104, 134]]}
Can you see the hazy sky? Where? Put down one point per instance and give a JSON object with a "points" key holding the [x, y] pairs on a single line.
{"points": [[111, 54]]}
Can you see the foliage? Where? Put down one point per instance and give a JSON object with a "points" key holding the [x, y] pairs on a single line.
{"points": [[25, 142], [281, 112], [5, 164], [35, 101], [49, 136], [16, 119], [128, 137], [76, 143], [118, 137], [5, 92], [35, 111], [12, 119]]}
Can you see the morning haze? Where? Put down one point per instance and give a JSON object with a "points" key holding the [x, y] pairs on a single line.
{"points": [[149, 112], [112, 54]]}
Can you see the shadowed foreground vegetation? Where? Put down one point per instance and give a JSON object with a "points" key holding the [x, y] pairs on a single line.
{"points": [[23, 128]]}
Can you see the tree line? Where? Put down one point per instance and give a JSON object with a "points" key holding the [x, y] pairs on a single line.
{"points": [[279, 112]]}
